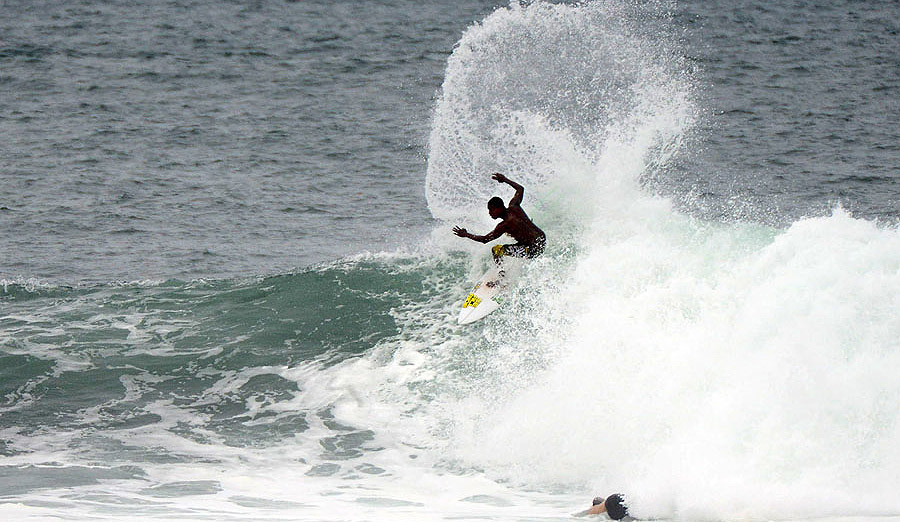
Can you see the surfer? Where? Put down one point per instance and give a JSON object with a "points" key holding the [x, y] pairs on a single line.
{"points": [[530, 239], [613, 505]]}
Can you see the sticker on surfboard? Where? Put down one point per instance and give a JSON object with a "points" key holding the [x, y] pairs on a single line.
{"points": [[484, 298]]}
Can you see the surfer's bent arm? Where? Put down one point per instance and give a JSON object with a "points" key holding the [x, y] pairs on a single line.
{"points": [[520, 190], [487, 238]]}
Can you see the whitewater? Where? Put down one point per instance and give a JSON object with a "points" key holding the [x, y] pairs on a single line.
{"points": [[709, 370]]}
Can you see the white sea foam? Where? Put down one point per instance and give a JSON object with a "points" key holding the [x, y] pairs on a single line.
{"points": [[708, 371]]}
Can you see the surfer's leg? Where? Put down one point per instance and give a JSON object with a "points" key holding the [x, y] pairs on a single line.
{"points": [[498, 251]]}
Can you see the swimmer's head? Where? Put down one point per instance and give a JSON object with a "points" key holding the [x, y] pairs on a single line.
{"points": [[616, 507]]}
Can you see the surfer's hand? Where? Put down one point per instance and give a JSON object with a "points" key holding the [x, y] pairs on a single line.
{"points": [[499, 177], [461, 232]]}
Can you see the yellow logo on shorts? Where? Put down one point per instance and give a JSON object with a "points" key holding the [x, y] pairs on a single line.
{"points": [[472, 300]]}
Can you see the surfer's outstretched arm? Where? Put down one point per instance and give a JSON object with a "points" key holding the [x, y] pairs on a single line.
{"points": [[487, 238], [520, 190]]}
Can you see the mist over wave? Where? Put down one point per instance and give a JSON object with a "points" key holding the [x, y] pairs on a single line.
{"points": [[568, 100], [699, 367]]}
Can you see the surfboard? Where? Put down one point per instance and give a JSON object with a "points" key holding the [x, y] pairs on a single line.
{"points": [[484, 298]]}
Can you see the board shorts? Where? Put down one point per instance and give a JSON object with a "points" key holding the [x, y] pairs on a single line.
{"points": [[528, 251]]}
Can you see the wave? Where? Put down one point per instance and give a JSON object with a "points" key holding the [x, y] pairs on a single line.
{"points": [[707, 370], [698, 366]]}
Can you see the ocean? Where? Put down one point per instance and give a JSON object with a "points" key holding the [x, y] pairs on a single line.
{"points": [[229, 286]]}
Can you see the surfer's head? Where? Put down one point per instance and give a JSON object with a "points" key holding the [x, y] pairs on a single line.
{"points": [[496, 208]]}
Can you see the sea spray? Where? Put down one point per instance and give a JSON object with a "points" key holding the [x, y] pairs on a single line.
{"points": [[536, 91], [699, 367]]}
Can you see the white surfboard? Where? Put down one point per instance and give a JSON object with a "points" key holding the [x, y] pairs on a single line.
{"points": [[484, 298]]}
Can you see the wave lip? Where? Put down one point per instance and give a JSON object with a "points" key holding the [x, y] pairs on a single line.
{"points": [[558, 97], [698, 366]]}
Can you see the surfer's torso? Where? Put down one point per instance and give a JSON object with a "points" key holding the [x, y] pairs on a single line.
{"points": [[517, 224]]}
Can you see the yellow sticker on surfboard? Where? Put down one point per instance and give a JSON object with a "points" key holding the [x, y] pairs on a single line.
{"points": [[472, 300]]}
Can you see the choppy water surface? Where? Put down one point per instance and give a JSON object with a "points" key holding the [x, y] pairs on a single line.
{"points": [[229, 285]]}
